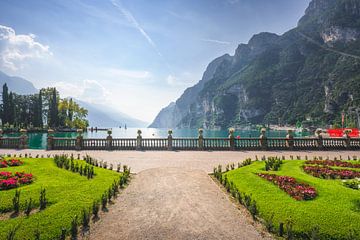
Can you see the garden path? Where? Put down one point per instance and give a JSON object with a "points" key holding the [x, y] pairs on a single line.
{"points": [[202, 160], [174, 203]]}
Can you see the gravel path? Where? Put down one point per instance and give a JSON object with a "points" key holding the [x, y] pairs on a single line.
{"points": [[202, 160], [173, 203]]}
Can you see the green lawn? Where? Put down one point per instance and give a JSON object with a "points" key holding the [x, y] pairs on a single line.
{"points": [[67, 192], [334, 210]]}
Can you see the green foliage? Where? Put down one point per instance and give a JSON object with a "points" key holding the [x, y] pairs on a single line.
{"points": [[28, 207], [332, 215], [67, 195], [29, 111], [16, 202], [43, 201]]}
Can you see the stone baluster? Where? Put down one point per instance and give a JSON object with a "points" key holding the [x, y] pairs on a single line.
{"points": [[347, 138], [139, 141], [201, 139], [23, 139], [290, 140], [170, 140], [109, 140], [50, 139], [79, 140], [263, 139], [232, 139], [319, 143]]}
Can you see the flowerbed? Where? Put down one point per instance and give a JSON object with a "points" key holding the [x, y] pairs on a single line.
{"points": [[9, 180], [335, 163], [298, 191], [329, 173], [10, 163]]}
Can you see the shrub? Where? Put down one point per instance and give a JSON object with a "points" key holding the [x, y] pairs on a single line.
{"points": [[85, 219], [43, 200], [28, 207], [269, 224], [95, 209], [354, 183], [254, 211], [74, 228], [289, 229], [281, 229], [103, 201], [16, 202], [109, 194], [12, 232], [272, 164], [63, 234]]}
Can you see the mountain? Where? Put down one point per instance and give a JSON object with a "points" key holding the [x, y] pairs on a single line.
{"points": [[104, 116], [17, 84], [310, 72], [99, 115]]}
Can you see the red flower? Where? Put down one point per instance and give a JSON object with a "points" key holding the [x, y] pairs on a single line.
{"points": [[299, 191]]}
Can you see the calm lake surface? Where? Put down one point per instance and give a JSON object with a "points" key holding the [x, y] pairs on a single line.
{"points": [[38, 140]]}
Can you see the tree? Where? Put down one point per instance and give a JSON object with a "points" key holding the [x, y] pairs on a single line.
{"points": [[53, 110], [11, 111], [5, 105]]}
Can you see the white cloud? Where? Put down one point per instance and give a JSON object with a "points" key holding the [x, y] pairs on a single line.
{"points": [[90, 91], [15, 49], [215, 41]]}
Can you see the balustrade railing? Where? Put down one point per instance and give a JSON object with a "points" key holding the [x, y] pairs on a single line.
{"points": [[10, 142], [185, 143], [200, 143]]}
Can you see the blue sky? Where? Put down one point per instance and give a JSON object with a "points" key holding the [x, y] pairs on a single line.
{"points": [[133, 55]]}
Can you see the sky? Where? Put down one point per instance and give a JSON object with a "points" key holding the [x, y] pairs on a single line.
{"points": [[133, 55]]}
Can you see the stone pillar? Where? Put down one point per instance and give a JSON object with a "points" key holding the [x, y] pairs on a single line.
{"points": [[23, 139], [290, 140], [79, 140], [232, 139], [109, 140], [263, 139], [319, 143], [170, 139], [50, 140], [347, 138], [139, 141], [201, 139]]}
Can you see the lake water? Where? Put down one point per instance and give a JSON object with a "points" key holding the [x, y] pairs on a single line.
{"points": [[38, 140]]}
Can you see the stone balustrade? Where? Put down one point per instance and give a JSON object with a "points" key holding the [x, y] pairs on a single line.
{"points": [[204, 144]]}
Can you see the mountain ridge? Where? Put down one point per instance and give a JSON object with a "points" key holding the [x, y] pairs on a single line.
{"points": [[299, 75]]}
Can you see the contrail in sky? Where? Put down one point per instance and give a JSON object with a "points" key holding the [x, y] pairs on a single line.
{"points": [[131, 19]]}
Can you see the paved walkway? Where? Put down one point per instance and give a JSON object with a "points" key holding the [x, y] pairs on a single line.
{"points": [[173, 203], [139, 161]]}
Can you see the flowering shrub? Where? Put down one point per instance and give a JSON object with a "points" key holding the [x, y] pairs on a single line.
{"points": [[329, 173], [298, 191], [9, 180], [336, 163], [10, 163]]}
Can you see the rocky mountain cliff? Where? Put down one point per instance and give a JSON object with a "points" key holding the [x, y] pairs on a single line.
{"points": [[310, 72]]}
